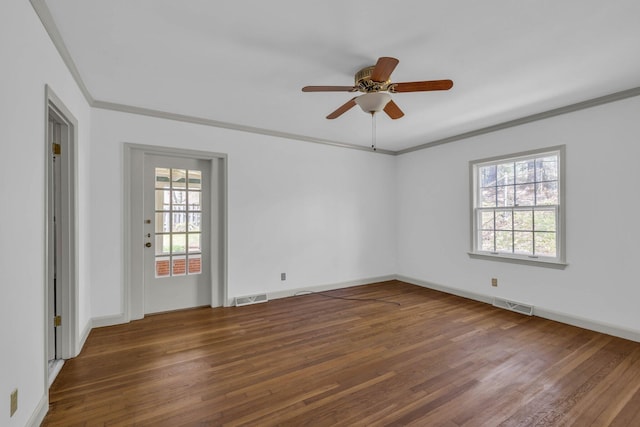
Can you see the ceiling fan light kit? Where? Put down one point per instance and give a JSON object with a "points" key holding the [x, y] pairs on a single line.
{"points": [[373, 102]]}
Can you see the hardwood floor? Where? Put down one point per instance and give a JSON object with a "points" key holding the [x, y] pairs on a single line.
{"points": [[425, 359]]}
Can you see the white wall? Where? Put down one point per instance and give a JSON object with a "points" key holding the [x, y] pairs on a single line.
{"points": [[602, 207], [321, 214], [29, 61]]}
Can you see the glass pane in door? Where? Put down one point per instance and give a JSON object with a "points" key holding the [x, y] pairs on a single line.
{"points": [[178, 222]]}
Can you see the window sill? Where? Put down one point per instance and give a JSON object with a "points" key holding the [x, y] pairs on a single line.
{"points": [[517, 260]]}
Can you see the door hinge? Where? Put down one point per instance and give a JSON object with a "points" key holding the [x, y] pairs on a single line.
{"points": [[57, 321], [57, 149]]}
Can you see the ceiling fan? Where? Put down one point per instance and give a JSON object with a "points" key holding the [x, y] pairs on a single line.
{"points": [[375, 83]]}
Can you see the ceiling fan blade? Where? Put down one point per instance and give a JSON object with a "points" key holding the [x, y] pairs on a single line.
{"points": [[421, 86], [329, 89], [393, 110], [342, 109], [383, 69]]}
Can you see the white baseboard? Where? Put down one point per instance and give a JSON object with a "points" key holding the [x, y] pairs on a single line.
{"points": [[84, 335], [324, 287], [40, 412], [446, 289], [115, 319], [581, 322], [569, 319]]}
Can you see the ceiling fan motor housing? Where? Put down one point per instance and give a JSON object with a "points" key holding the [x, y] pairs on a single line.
{"points": [[365, 84]]}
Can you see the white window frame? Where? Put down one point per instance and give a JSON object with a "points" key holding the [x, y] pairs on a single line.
{"points": [[559, 261]]}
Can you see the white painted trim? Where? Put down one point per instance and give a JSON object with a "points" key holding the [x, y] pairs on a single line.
{"points": [[43, 12], [226, 125], [594, 102], [569, 319], [102, 321], [321, 288], [71, 342], [581, 322], [37, 417], [49, 24], [446, 289], [131, 302], [85, 334]]}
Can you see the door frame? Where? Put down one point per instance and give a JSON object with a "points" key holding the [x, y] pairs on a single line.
{"points": [[133, 232], [67, 284]]}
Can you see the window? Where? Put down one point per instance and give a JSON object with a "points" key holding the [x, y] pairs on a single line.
{"points": [[178, 224], [517, 206]]}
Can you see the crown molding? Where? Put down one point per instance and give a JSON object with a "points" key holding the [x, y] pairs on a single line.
{"points": [[46, 18], [226, 125], [43, 12], [594, 102]]}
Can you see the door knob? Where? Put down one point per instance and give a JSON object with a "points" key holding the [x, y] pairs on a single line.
{"points": [[148, 244]]}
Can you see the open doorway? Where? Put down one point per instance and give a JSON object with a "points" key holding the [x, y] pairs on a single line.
{"points": [[60, 233]]}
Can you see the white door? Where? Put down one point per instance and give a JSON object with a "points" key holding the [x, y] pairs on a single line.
{"points": [[177, 229], [55, 219]]}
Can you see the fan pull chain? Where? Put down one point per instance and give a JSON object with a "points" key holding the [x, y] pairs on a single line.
{"points": [[373, 130]]}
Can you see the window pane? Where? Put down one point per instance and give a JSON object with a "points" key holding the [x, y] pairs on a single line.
{"points": [[163, 243], [525, 171], [179, 199], [194, 242], [486, 220], [525, 194], [545, 220], [194, 201], [488, 197], [487, 176], [179, 243], [162, 177], [163, 267], [163, 201], [545, 244], [179, 223], [163, 222], [178, 178], [505, 174], [547, 168], [195, 264], [486, 241], [505, 196], [195, 219], [523, 242], [504, 241], [179, 265], [523, 220], [195, 180], [547, 193], [504, 220]]}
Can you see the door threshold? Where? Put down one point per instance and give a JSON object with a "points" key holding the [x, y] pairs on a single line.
{"points": [[54, 369]]}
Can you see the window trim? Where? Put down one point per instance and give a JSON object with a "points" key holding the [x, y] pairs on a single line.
{"points": [[554, 262]]}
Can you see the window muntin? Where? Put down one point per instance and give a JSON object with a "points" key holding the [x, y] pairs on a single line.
{"points": [[517, 206], [178, 222]]}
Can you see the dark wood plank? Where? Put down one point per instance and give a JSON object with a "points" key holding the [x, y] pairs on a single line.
{"points": [[418, 357]]}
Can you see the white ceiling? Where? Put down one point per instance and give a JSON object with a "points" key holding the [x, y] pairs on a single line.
{"points": [[244, 62]]}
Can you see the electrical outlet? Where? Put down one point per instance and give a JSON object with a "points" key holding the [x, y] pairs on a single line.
{"points": [[14, 402], [283, 276], [494, 282]]}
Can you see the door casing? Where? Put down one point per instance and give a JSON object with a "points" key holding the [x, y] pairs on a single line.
{"points": [[67, 274], [133, 231]]}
